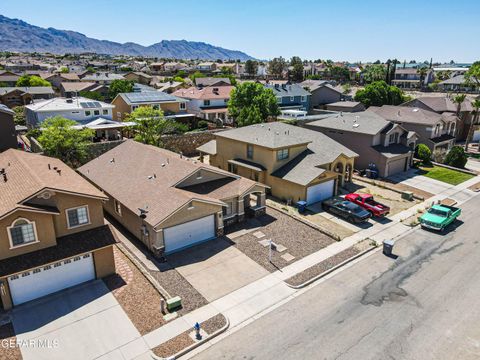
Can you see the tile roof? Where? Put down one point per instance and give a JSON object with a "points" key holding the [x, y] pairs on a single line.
{"points": [[405, 114], [393, 150], [362, 122], [210, 81], [287, 90], [139, 175], [205, 93], [66, 247], [34, 90], [77, 86], [441, 104], [28, 173]]}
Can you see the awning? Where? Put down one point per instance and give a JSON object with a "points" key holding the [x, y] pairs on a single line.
{"points": [[247, 164]]}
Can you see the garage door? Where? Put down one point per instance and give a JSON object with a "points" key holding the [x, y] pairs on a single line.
{"points": [[187, 234], [396, 166], [51, 278], [320, 192]]}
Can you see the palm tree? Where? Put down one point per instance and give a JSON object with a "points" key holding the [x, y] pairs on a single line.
{"points": [[476, 107], [459, 99], [423, 71]]}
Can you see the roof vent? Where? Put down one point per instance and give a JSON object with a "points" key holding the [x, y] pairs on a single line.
{"points": [[5, 177], [112, 160], [356, 125]]}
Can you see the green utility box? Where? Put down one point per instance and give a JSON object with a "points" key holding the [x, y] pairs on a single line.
{"points": [[174, 303], [407, 195]]}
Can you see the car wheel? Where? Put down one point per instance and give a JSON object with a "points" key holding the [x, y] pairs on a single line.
{"points": [[350, 219]]}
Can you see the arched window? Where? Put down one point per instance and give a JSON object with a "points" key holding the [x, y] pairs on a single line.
{"points": [[22, 232]]}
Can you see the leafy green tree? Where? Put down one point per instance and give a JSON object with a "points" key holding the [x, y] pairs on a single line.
{"points": [[251, 67], [472, 76], [197, 74], [277, 66], [296, 73], [151, 125], [423, 153], [64, 70], [338, 73], [59, 139], [459, 99], [252, 103], [422, 71], [19, 116], [456, 157], [474, 121], [119, 86], [182, 73], [379, 93], [374, 72], [94, 95], [27, 80]]}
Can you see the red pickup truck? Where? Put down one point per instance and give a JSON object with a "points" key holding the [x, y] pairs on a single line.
{"points": [[367, 202]]}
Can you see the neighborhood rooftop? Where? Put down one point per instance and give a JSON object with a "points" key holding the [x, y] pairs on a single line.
{"points": [[59, 104], [147, 97], [364, 122]]}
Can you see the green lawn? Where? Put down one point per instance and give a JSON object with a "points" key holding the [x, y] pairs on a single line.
{"points": [[448, 176]]}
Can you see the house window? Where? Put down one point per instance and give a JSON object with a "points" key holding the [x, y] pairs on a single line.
{"points": [[232, 168], [119, 114], [156, 107], [183, 106], [227, 210], [249, 151], [88, 113], [304, 98], [206, 102], [96, 112], [279, 100], [118, 207], [292, 98], [105, 112], [77, 217], [199, 174], [134, 107], [393, 138], [22, 232], [225, 101], [282, 154]]}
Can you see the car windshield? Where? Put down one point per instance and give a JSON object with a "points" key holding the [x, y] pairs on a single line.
{"points": [[370, 201], [437, 212], [352, 207]]}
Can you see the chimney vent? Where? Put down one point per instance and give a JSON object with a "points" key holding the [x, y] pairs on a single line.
{"points": [[5, 177]]}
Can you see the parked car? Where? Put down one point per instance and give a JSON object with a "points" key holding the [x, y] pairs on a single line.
{"points": [[346, 209], [438, 217], [367, 202]]}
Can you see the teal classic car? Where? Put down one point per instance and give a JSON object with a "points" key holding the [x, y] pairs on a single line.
{"points": [[439, 217]]}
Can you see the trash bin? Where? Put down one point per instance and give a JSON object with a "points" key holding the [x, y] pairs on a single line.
{"points": [[302, 206], [388, 247]]}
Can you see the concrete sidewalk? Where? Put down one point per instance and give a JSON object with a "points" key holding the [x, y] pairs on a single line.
{"points": [[248, 303]]}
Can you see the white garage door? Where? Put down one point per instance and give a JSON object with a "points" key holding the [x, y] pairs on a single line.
{"points": [[51, 278], [396, 166], [187, 234], [320, 192]]}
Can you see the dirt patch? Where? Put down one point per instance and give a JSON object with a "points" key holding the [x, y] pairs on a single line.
{"points": [[7, 337], [327, 264], [475, 187], [299, 239], [388, 197], [182, 341], [448, 202], [138, 298]]}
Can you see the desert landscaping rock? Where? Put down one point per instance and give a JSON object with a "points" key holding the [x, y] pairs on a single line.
{"points": [[7, 335], [213, 324]]}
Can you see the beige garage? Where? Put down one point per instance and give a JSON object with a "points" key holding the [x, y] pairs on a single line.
{"points": [[397, 165]]}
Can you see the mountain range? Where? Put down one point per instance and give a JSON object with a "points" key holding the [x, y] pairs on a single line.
{"points": [[17, 35]]}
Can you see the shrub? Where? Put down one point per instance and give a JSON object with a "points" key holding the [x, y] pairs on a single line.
{"points": [[456, 157], [423, 153], [203, 124]]}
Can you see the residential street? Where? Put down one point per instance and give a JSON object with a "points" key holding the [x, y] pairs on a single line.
{"points": [[419, 306]]}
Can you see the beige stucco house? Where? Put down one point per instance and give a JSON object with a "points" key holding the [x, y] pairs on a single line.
{"points": [[52, 232], [296, 163], [170, 202]]}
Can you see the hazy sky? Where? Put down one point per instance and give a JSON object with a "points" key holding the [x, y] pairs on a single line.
{"points": [[339, 30]]}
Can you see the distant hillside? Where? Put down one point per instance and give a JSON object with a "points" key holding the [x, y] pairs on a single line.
{"points": [[17, 35]]}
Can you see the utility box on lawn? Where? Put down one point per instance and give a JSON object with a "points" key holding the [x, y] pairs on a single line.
{"points": [[388, 247], [302, 206], [174, 303], [407, 195]]}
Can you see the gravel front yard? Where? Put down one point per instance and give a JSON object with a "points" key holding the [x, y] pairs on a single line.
{"points": [[138, 298], [180, 342], [7, 335], [327, 264], [299, 239]]}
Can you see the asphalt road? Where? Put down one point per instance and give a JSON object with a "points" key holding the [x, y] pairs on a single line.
{"points": [[422, 305]]}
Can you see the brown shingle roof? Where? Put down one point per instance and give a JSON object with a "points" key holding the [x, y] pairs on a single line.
{"points": [[139, 175], [28, 173], [221, 92], [67, 246], [405, 114]]}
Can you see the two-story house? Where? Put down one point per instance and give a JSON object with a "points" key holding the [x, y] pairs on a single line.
{"points": [[209, 103], [445, 104], [322, 92], [380, 144], [23, 95], [296, 163], [102, 78], [125, 103], [290, 96], [170, 202], [79, 109], [437, 131], [206, 66], [9, 78], [52, 232], [410, 78]]}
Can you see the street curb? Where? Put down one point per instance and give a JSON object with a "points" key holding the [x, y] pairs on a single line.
{"points": [[163, 293], [325, 273], [308, 223], [194, 346]]}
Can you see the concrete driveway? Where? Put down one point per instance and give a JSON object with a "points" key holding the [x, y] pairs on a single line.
{"points": [[84, 322], [216, 268], [411, 178]]}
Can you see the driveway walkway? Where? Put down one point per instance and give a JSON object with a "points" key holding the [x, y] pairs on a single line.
{"points": [[411, 178], [216, 268], [84, 322]]}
